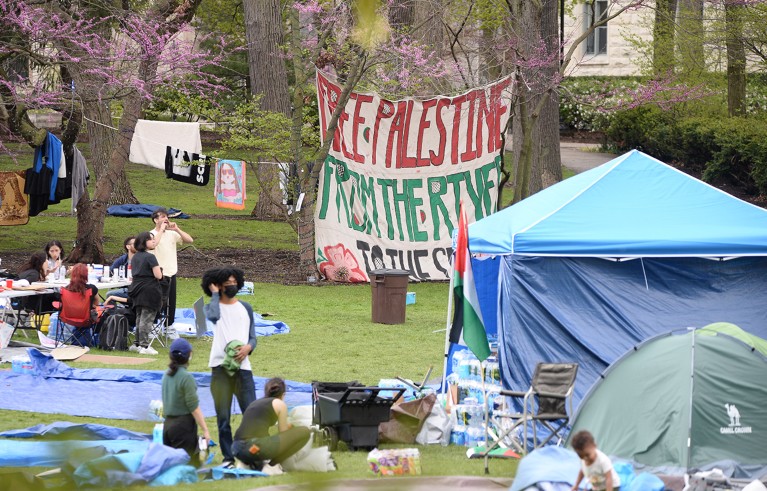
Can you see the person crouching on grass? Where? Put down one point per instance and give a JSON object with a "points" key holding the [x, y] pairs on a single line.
{"points": [[181, 404], [596, 467], [252, 443]]}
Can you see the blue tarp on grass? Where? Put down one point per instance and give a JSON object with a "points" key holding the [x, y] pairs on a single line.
{"points": [[107, 393], [262, 326], [62, 430], [19, 453]]}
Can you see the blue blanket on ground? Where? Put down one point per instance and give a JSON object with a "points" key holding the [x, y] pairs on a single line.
{"points": [[263, 327], [63, 430], [107, 393], [140, 210]]}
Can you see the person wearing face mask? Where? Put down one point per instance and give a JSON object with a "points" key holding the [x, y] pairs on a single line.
{"points": [[233, 329], [181, 405]]}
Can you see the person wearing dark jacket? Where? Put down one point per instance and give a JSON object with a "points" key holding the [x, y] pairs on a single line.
{"points": [[144, 291], [120, 265], [36, 269]]}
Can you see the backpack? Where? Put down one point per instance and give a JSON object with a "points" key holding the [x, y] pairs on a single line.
{"points": [[113, 331]]}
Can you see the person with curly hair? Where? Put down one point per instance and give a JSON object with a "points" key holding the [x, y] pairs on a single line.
{"points": [[234, 339]]}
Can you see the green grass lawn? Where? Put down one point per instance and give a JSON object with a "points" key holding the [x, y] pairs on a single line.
{"points": [[332, 337]]}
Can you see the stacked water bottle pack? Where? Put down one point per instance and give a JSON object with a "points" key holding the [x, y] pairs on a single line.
{"points": [[474, 381]]}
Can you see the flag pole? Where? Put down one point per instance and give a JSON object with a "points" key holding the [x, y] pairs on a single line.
{"points": [[447, 324]]}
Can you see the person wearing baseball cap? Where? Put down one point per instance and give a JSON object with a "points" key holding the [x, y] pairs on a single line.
{"points": [[181, 406]]}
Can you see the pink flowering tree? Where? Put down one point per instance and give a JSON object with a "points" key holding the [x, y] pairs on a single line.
{"points": [[99, 64]]}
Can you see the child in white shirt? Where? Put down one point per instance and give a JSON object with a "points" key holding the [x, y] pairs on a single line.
{"points": [[596, 467]]}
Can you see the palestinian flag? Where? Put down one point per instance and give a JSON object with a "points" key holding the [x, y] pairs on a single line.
{"points": [[468, 328]]}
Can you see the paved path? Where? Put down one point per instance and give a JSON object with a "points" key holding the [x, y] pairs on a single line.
{"points": [[580, 157]]}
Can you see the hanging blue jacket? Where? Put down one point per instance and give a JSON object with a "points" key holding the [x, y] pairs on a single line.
{"points": [[51, 149]]}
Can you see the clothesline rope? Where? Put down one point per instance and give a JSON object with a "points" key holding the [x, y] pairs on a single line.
{"points": [[215, 159]]}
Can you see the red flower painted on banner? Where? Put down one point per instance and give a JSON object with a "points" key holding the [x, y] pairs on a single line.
{"points": [[341, 265]]}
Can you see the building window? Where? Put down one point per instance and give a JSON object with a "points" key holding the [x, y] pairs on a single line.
{"points": [[596, 43]]}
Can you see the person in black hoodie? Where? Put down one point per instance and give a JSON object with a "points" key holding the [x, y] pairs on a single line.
{"points": [[144, 291]]}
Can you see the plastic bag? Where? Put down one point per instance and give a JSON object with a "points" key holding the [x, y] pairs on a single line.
{"points": [[436, 428]]}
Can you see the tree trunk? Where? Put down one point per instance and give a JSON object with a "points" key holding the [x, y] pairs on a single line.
{"points": [[268, 76], [90, 212], [736, 59], [690, 38], [428, 20], [401, 14], [663, 37], [305, 227], [535, 129], [549, 158], [109, 153]]}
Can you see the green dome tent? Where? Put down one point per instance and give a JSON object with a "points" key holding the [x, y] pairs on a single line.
{"points": [[683, 401]]}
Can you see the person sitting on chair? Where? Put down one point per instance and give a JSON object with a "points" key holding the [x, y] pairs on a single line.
{"points": [[78, 283], [181, 404], [252, 443], [120, 295], [54, 250], [81, 289], [145, 292], [36, 269]]}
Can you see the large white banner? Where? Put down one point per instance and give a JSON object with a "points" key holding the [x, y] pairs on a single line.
{"points": [[390, 189]]}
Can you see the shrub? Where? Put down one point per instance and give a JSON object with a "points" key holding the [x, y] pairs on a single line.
{"points": [[646, 128], [585, 102], [732, 150]]}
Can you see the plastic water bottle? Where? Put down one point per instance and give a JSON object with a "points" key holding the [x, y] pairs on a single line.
{"points": [[157, 433], [458, 435], [464, 368]]}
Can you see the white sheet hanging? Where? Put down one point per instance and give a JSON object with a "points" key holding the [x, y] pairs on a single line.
{"points": [[151, 137]]}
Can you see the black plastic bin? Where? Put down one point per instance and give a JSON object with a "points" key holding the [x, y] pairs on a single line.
{"points": [[350, 412], [389, 292]]}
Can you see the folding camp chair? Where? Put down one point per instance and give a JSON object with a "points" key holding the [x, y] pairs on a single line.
{"points": [[75, 312], [548, 402], [159, 330]]}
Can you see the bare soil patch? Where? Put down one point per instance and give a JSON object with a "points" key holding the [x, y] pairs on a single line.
{"points": [[260, 265]]}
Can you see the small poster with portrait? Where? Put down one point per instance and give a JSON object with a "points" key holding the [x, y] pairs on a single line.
{"points": [[230, 184]]}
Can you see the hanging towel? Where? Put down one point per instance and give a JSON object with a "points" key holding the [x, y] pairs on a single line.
{"points": [[151, 137], [182, 166], [230, 184], [80, 176]]}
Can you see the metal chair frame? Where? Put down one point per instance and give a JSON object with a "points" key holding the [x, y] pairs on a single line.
{"points": [[548, 401]]}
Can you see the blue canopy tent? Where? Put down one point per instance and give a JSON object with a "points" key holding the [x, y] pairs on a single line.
{"points": [[595, 264]]}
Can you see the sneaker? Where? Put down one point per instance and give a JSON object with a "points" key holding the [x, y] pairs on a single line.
{"points": [[147, 351], [228, 464], [272, 470], [133, 348]]}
